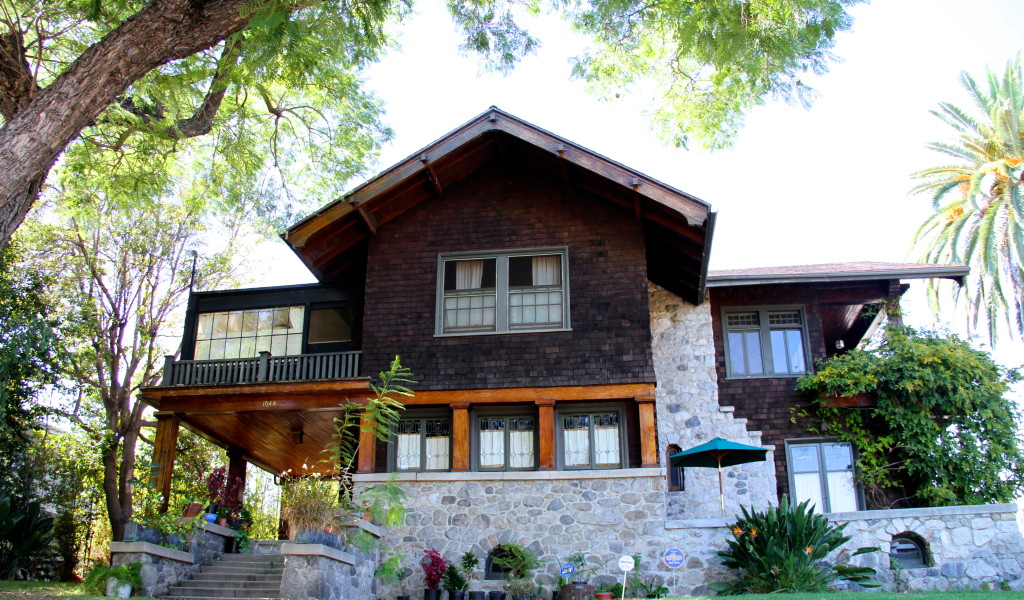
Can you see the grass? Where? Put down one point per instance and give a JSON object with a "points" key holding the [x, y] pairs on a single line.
{"points": [[40, 590]]}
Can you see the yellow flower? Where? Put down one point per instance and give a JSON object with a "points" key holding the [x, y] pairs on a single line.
{"points": [[753, 532], [809, 550], [736, 531]]}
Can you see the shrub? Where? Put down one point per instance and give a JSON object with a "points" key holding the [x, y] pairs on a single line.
{"points": [[782, 550], [96, 580], [434, 566], [452, 580]]}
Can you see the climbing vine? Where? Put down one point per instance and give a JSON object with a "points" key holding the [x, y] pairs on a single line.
{"points": [[941, 431]]}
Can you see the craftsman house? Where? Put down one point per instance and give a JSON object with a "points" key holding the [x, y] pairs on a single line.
{"points": [[557, 311]]}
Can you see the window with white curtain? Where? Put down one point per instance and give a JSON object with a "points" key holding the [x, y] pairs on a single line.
{"points": [[822, 472], [765, 342], [422, 445], [502, 292], [591, 440], [246, 333], [506, 442]]}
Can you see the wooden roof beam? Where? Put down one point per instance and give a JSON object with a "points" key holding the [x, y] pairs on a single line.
{"points": [[431, 174], [369, 220]]}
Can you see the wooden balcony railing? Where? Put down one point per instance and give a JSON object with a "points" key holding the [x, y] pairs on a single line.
{"points": [[264, 368]]}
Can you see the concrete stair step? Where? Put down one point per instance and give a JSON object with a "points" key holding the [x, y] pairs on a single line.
{"points": [[230, 583], [241, 571], [261, 592], [274, 576]]}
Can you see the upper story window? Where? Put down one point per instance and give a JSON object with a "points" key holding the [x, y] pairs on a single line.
{"points": [[503, 292], [765, 342], [506, 442], [591, 440], [822, 472], [422, 444], [245, 333]]}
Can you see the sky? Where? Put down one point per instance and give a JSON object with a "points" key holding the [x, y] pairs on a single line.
{"points": [[828, 184]]}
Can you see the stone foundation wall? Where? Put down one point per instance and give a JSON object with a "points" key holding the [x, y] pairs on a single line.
{"points": [[163, 567]]}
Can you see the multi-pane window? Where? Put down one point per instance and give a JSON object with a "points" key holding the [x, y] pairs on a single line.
{"points": [[245, 333], [765, 342], [822, 472], [506, 442], [423, 444], [503, 292], [591, 440]]}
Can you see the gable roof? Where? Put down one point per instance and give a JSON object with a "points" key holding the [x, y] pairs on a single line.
{"points": [[850, 271], [678, 227]]}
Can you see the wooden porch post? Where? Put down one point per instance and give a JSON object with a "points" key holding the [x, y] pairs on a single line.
{"points": [[164, 450], [460, 436], [648, 432], [366, 457], [236, 470], [546, 433]]}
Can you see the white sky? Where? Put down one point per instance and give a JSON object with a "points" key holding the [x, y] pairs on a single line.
{"points": [[827, 184]]}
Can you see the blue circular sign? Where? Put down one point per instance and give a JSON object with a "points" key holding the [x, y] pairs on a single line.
{"points": [[567, 570], [674, 558]]}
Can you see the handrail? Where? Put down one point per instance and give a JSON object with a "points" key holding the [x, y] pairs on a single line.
{"points": [[264, 368]]}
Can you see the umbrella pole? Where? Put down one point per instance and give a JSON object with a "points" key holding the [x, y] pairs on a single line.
{"points": [[721, 492]]}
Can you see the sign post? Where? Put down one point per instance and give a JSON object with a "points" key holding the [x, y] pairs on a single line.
{"points": [[627, 564]]}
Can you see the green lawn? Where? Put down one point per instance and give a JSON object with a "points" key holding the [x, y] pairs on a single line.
{"points": [[38, 590]]}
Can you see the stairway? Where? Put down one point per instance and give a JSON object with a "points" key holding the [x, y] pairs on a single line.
{"points": [[233, 577]]}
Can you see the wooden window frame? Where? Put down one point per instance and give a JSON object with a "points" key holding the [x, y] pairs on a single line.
{"points": [[507, 412], [423, 417], [765, 330], [582, 409], [501, 324], [823, 471]]}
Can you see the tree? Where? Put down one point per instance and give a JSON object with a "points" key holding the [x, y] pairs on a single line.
{"points": [[103, 72], [121, 271], [982, 225], [942, 431]]}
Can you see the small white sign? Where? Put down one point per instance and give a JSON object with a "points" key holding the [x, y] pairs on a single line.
{"points": [[626, 563]]}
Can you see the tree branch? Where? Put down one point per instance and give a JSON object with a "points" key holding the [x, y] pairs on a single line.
{"points": [[17, 84]]}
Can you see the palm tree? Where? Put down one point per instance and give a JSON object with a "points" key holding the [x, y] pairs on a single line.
{"points": [[983, 224]]}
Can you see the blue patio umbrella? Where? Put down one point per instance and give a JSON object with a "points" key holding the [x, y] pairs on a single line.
{"points": [[718, 453]]}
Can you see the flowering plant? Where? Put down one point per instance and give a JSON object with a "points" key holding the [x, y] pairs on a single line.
{"points": [[433, 568]]}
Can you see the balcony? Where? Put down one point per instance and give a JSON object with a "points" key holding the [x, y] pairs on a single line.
{"points": [[262, 369]]}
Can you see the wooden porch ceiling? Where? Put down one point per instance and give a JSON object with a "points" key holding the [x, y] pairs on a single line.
{"points": [[677, 226]]}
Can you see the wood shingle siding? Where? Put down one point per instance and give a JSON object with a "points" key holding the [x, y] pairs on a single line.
{"points": [[506, 206]]}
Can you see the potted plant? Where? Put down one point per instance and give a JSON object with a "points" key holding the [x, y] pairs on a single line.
{"points": [[468, 564], [643, 586], [453, 581], [434, 566], [117, 582], [577, 579], [603, 591], [520, 588], [391, 571]]}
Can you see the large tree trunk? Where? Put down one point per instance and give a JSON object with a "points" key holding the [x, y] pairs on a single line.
{"points": [[35, 136]]}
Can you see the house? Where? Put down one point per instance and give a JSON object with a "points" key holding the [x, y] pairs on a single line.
{"points": [[566, 336]]}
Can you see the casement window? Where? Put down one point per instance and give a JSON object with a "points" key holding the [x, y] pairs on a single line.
{"points": [[591, 439], [822, 472], [422, 444], [246, 333], [506, 442], [503, 292], [765, 342]]}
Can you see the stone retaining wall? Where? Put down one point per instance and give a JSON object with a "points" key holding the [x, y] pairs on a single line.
{"points": [[967, 546], [163, 567], [317, 572]]}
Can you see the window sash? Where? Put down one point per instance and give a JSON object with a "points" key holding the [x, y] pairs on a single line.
{"points": [[506, 442], [422, 445], [527, 296], [246, 333], [591, 440], [766, 342], [823, 472]]}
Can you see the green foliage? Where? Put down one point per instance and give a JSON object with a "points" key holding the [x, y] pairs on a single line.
{"points": [[24, 529], [706, 63], [644, 586], [942, 427], [518, 561], [452, 579], [782, 550], [977, 198], [96, 580], [390, 569]]}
